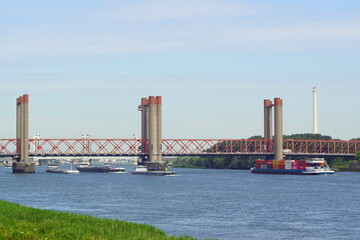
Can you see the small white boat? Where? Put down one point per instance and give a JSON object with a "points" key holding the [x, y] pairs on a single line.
{"points": [[142, 170]]}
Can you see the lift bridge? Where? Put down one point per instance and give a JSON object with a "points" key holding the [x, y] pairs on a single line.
{"points": [[180, 147], [152, 147]]}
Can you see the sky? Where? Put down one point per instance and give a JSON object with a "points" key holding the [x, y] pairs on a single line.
{"points": [[86, 64]]}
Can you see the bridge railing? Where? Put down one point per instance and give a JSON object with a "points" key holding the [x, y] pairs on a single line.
{"points": [[178, 147]]}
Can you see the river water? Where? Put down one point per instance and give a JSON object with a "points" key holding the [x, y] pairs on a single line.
{"points": [[202, 203]]}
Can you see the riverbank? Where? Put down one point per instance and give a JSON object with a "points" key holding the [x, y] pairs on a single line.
{"points": [[347, 166], [346, 169], [20, 222]]}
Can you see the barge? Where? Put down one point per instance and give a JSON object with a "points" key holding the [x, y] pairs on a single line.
{"points": [[143, 170], [55, 169], [99, 169], [311, 166]]}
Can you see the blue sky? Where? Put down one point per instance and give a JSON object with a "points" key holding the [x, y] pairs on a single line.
{"points": [[87, 64]]}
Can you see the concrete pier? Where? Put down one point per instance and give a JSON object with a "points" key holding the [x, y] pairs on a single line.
{"points": [[159, 129], [278, 137], [18, 125], [21, 162], [144, 108], [268, 129], [153, 138], [23, 167], [25, 129], [151, 131]]}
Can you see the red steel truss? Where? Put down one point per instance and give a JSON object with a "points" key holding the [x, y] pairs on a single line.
{"points": [[179, 147]]}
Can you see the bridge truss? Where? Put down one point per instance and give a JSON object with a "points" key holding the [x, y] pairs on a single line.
{"points": [[180, 147]]}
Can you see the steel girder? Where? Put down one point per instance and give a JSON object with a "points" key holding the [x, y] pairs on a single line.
{"points": [[178, 147]]}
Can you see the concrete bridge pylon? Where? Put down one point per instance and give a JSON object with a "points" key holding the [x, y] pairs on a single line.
{"points": [[278, 123], [151, 132], [21, 163]]}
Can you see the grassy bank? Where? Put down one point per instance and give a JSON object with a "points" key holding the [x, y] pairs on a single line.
{"points": [[19, 222]]}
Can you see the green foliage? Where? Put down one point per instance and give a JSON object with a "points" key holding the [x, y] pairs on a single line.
{"points": [[256, 137], [307, 136], [19, 222], [357, 156], [246, 162], [218, 162]]}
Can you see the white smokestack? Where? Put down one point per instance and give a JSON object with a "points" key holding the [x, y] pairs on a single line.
{"points": [[315, 117]]}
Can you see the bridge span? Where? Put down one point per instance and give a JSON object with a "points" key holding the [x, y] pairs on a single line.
{"points": [[180, 147], [152, 147]]}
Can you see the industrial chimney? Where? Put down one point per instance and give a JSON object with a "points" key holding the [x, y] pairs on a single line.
{"points": [[315, 117]]}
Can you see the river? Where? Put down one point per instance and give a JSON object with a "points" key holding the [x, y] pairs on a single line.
{"points": [[202, 203]]}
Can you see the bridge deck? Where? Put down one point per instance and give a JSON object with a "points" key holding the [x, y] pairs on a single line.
{"points": [[180, 147]]}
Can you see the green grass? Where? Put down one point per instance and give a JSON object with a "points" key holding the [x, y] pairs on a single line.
{"points": [[19, 222]]}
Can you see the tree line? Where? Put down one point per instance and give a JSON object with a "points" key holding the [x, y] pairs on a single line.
{"points": [[246, 162]]}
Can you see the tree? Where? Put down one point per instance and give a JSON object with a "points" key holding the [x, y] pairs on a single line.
{"points": [[357, 156], [246, 162], [307, 136]]}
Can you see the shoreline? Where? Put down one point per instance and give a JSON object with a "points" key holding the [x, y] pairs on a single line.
{"points": [[21, 222]]}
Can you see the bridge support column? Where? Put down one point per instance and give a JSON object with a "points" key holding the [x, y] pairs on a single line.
{"points": [[278, 138], [278, 122], [21, 163], [159, 129], [153, 138], [18, 126], [144, 108], [151, 132], [268, 130]]}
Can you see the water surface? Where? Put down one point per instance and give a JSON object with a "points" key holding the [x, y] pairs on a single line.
{"points": [[222, 204]]}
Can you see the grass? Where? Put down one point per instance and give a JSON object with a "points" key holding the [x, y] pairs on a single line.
{"points": [[19, 222]]}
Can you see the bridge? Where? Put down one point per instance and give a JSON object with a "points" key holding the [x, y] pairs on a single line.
{"points": [[151, 147], [180, 147]]}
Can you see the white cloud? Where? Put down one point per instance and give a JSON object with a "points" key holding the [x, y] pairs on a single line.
{"points": [[181, 10], [173, 26]]}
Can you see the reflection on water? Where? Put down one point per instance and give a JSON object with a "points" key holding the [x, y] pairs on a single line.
{"points": [[222, 204]]}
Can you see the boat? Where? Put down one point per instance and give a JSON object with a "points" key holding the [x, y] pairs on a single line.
{"points": [[55, 169], [143, 170], [311, 166], [102, 169]]}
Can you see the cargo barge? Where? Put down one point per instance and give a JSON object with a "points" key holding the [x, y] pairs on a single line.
{"points": [[143, 170], [100, 169], [311, 166], [55, 169]]}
